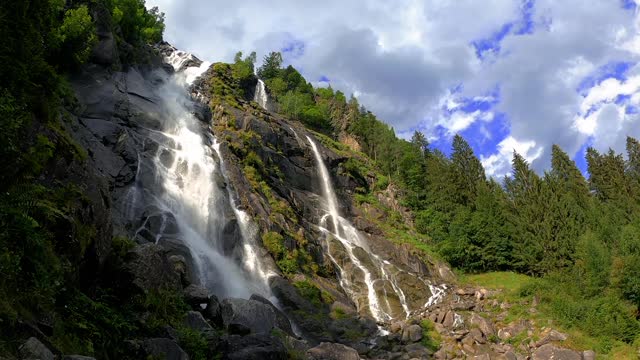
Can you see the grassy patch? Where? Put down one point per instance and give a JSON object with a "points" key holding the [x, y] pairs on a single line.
{"points": [[431, 339]]}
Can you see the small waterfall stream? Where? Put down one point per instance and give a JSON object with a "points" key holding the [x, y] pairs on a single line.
{"points": [[260, 95], [375, 273]]}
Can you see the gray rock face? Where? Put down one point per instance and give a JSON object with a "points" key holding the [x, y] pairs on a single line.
{"points": [[213, 311], [33, 349], [483, 324], [240, 316], [164, 349], [549, 351], [332, 351], [255, 347], [150, 269], [195, 321], [282, 322], [196, 295]]}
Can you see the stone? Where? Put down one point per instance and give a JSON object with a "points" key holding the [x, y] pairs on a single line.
{"points": [[417, 351], [332, 351], [588, 355], [33, 349], [150, 270], [551, 336], [449, 319], [485, 325], [241, 315], [549, 351], [163, 349], [412, 333], [397, 326], [282, 322], [213, 311], [195, 321], [195, 295], [254, 347], [77, 357], [477, 336], [482, 357]]}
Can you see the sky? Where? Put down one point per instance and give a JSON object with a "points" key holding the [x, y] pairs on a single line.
{"points": [[506, 74]]}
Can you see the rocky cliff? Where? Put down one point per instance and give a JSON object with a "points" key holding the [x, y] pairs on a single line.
{"points": [[222, 229]]}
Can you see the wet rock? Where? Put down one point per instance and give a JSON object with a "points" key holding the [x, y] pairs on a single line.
{"points": [[195, 295], [163, 349], [240, 315], [254, 347], [33, 349], [332, 351], [549, 351], [397, 326]]}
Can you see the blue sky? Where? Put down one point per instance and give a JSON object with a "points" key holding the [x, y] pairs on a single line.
{"points": [[506, 74]]}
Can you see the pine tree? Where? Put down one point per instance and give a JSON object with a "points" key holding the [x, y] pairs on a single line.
{"points": [[568, 177], [467, 170], [271, 66]]}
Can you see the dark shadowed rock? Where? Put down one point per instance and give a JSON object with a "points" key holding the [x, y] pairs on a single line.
{"points": [[77, 357], [195, 321], [282, 322], [213, 311], [150, 269], [332, 351], [254, 347], [33, 349], [163, 349], [240, 314], [195, 295]]}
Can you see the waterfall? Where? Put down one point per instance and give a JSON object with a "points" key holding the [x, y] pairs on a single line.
{"points": [[187, 191], [260, 95], [380, 283]]}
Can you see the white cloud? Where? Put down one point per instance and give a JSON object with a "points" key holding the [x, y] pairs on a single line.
{"points": [[499, 164], [403, 57]]}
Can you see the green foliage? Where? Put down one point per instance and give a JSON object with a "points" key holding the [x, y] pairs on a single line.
{"points": [[76, 35], [193, 343], [274, 243], [310, 292], [431, 339], [136, 22]]}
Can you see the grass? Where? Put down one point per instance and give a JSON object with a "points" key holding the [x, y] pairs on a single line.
{"points": [[516, 289]]}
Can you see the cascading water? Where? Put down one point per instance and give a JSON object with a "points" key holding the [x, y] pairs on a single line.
{"points": [[188, 191], [260, 95], [376, 275]]}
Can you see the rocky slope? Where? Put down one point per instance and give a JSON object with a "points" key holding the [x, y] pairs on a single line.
{"points": [[271, 209]]}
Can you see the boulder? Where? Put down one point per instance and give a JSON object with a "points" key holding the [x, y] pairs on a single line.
{"points": [[255, 347], [195, 321], [213, 311], [33, 349], [485, 325], [77, 357], [397, 326], [149, 269], [240, 316], [551, 336], [282, 322], [549, 351], [588, 355], [195, 295], [332, 351], [412, 333], [163, 349]]}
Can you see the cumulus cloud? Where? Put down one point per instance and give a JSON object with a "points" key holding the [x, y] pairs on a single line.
{"points": [[405, 58]]}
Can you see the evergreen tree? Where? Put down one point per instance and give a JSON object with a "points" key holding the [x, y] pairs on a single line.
{"points": [[271, 66], [467, 170]]}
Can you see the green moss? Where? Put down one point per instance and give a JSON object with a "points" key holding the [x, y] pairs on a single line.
{"points": [[310, 292], [274, 243], [431, 339]]}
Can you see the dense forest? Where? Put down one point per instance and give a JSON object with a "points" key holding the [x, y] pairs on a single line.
{"points": [[580, 236]]}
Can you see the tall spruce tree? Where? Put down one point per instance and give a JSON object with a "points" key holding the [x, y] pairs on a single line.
{"points": [[467, 171]]}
